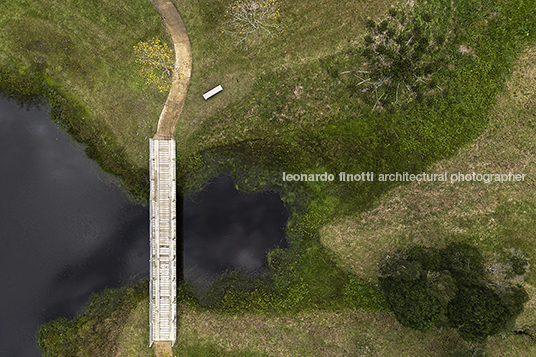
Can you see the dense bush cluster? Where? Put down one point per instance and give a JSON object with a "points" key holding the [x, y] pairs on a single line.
{"points": [[427, 287]]}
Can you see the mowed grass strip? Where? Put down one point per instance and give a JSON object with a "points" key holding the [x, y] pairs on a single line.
{"points": [[317, 333], [494, 216], [86, 48]]}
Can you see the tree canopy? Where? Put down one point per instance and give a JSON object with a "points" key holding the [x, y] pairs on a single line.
{"points": [[428, 286]]}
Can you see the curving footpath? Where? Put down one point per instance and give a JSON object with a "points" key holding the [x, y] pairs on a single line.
{"points": [[183, 65], [163, 319]]}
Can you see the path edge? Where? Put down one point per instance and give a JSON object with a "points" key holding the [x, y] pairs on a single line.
{"points": [[182, 72]]}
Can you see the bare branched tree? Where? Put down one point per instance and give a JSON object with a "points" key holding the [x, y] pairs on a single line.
{"points": [[246, 17]]}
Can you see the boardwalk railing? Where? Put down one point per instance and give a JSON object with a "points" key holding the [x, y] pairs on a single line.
{"points": [[163, 280]]}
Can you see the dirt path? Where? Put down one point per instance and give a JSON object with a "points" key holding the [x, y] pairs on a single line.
{"points": [[183, 65], [163, 349]]}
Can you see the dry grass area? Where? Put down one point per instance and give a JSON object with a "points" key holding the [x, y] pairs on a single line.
{"points": [[344, 333], [326, 334], [432, 212], [134, 339], [299, 335], [493, 216]]}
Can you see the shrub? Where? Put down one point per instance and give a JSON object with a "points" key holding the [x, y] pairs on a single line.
{"points": [[156, 61], [401, 55], [518, 264], [98, 329], [362, 295]]}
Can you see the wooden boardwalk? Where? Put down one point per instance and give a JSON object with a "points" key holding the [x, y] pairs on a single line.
{"points": [[163, 286], [163, 271]]}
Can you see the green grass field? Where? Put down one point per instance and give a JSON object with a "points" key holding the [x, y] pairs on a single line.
{"points": [[494, 217], [314, 29], [295, 112], [286, 106]]}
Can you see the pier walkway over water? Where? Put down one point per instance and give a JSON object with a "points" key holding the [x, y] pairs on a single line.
{"points": [[163, 283], [163, 271]]}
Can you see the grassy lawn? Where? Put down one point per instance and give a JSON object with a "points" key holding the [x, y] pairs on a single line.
{"points": [[293, 111], [493, 216], [320, 333], [314, 29], [79, 54]]}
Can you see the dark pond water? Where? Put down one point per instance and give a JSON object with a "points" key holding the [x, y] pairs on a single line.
{"points": [[66, 230], [225, 228]]}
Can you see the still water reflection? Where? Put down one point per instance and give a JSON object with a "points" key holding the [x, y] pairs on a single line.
{"points": [[65, 230], [225, 228]]}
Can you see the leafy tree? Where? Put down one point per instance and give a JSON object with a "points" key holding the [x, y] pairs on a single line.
{"points": [[400, 267], [400, 57], [441, 285], [411, 303], [416, 293], [463, 259], [427, 286], [156, 61], [430, 258], [477, 312]]}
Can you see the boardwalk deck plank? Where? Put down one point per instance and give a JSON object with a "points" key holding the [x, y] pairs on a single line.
{"points": [[163, 241]]}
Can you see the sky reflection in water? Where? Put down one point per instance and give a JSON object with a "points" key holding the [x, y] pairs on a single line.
{"points": [[66, 230], [226, 228]]}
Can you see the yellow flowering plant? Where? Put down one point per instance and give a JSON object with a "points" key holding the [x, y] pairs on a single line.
{"points": [[156, 63]]}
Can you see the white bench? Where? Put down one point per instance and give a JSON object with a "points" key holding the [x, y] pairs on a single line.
{"points": [[213, 91]]}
